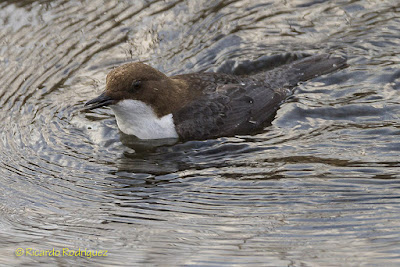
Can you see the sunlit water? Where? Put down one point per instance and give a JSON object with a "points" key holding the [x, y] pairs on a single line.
{"points": [[320, 186]]}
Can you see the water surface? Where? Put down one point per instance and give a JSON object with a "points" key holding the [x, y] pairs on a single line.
{"points": [[319, 186]]}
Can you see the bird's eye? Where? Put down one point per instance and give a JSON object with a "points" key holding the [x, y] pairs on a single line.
{"points": [[136, 84]]}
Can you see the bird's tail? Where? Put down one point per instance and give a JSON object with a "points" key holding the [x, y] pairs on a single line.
{"points": [[313, 66], [302, 70]]}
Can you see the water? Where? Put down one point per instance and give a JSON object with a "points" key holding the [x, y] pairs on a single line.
{"points": [[320, 186]]}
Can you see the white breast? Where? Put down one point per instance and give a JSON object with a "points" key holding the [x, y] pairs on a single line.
{"points": [[134, 117]]}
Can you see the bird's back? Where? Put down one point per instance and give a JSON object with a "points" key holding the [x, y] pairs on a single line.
{"points": [[229, 104]]}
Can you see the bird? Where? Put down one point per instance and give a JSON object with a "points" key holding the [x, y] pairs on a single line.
{"points": [[203, 105]]}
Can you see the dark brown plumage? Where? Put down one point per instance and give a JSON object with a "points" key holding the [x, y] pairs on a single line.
{"points": [[209, 105]]}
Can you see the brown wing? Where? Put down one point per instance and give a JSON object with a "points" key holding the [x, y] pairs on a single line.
{"points": [[241, 104], [239, 109]]}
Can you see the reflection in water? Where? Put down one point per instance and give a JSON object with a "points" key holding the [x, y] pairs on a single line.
{"points": [[319, 186]]}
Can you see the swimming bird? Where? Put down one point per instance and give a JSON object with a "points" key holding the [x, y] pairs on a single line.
{"points": [[198, 106]]}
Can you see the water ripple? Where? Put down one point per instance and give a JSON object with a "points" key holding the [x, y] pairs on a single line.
{"points": [[318, 185]]}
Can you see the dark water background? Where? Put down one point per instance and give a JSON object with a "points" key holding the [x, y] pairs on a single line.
{"points": [[318, 187]]}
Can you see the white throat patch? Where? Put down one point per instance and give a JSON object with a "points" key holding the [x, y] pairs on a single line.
{"points": [[134, 117]]}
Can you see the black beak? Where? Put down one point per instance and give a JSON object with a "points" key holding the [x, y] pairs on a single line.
{"points": [[100, 101]]}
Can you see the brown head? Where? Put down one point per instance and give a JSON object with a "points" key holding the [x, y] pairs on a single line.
{"points": [[138, 81]]}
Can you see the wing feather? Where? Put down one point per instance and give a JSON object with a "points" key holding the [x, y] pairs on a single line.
{"points": [[236, 109]]}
